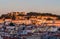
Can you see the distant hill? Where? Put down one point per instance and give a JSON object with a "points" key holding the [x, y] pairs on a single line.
{"points": [[13, 16]]}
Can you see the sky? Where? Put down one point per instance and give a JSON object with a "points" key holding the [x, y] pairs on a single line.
{"points": [[50, 6]]}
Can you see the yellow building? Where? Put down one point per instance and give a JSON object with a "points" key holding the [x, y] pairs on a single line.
{"points": [[1, 21]]}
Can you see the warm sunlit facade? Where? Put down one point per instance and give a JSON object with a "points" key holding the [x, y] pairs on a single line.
{"points": [[38, 20]]}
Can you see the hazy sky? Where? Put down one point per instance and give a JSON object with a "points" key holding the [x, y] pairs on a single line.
{"points": [[52, 6]]}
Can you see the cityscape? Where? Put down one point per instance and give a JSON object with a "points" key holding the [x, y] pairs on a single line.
{"points": [[29, 19], [31, 25]]}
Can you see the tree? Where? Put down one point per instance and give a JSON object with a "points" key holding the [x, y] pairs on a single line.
{"points": [[11, 24], [49, 19], [13, 17]]}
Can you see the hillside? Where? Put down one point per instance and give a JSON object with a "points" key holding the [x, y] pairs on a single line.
{"points": [[14, 14]]}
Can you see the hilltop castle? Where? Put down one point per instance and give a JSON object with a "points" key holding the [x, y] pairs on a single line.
{"points": [[31, 18]]}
